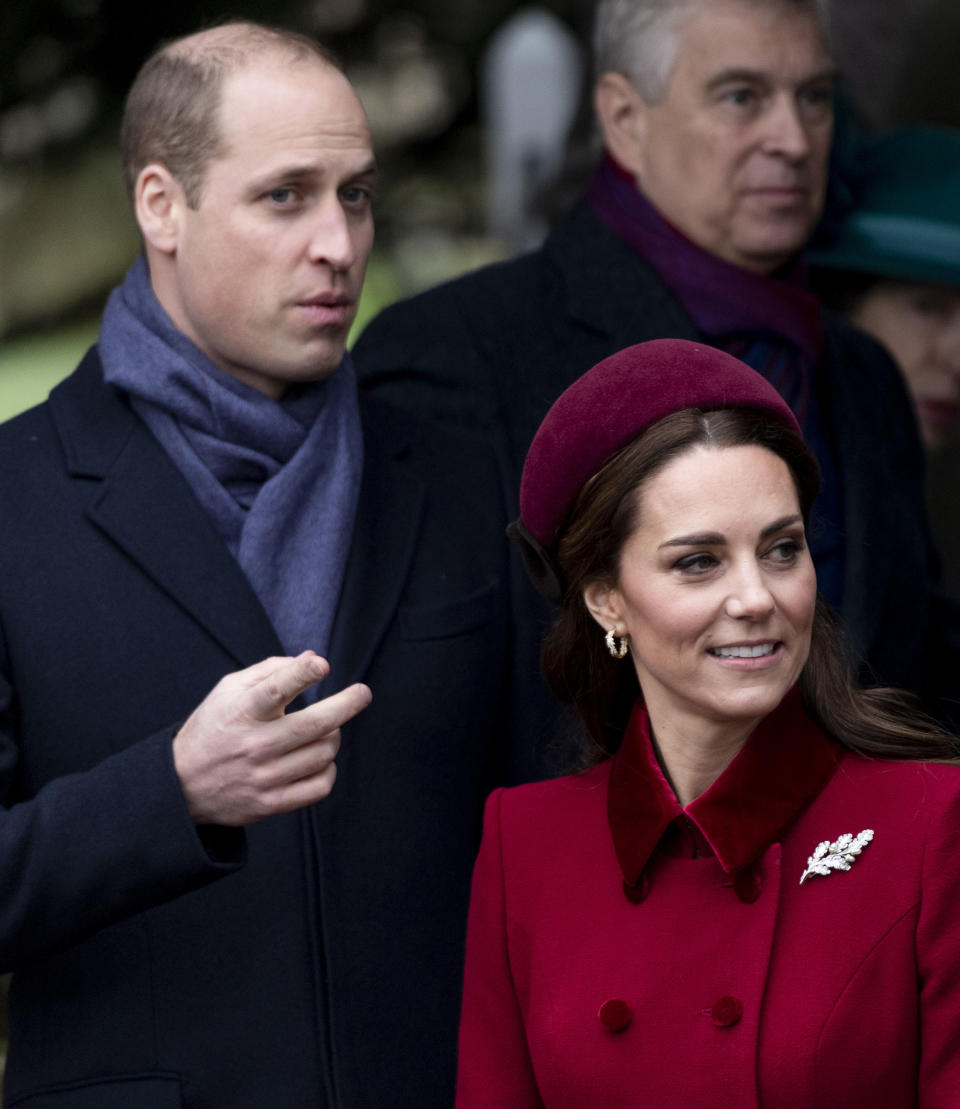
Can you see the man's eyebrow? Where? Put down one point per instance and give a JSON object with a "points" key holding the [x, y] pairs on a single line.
{"points": [[759, 76], [366, 171], [732, 75], [290, 172], [369, 170], [298, 171]]}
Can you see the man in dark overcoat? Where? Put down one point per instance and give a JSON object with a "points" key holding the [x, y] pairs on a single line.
{"points": [[201, 524], [716, 118]]}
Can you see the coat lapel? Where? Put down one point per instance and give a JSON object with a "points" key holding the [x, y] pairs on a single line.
{"points": [[610, 289], [141, 502], [610, 299], [389, 512]]}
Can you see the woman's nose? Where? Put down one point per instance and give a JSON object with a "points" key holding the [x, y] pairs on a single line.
{"points": [[749, 598]]}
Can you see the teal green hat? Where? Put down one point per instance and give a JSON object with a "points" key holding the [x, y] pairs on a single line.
{"points": [[904, 218]]}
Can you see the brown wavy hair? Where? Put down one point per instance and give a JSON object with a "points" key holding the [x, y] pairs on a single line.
{"points": [[579, 669]]}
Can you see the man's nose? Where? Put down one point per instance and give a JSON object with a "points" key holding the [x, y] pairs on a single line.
{"points": [[786, 133], [331, 238]]}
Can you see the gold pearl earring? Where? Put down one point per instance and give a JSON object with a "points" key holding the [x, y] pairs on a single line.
{"points": [[617, 650]]}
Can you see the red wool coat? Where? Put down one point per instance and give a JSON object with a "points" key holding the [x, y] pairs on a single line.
{"points": [[624, 952]]}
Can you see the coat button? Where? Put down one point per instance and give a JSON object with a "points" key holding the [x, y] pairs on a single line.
{"points": [[637, 891], [615, 1015], [747, 885], [726, 1012]]}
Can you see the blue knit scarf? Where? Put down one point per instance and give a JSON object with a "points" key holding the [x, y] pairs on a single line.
{"points": [[279, 480]]}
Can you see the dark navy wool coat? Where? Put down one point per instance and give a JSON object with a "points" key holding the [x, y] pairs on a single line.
{"points": [[313, 959]]}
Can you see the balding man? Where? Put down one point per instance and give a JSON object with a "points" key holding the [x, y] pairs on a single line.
{"points": [[716, 117], [203, 514]]}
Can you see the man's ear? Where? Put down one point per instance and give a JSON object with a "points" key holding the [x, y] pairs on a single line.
{"points": [[604, 604], [621, 114], [158, 203]]}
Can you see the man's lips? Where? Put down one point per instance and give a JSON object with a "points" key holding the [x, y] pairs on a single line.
{"points": [[784, 194], [327, 309]]}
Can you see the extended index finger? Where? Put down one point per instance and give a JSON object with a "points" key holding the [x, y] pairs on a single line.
{"points": [[323, 717]]}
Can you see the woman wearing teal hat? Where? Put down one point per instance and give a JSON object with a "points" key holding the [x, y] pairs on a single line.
{"points": [[892, 264]]}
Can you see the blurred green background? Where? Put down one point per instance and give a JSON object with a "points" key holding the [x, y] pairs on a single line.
{"points": [[32, 365]]}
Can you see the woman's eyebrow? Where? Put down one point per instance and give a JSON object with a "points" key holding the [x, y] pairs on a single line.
{"points": [[704, 539], [715, 539], [779, 525]]}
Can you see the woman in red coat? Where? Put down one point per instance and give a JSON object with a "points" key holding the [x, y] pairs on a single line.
{"points": [[753, 898]]}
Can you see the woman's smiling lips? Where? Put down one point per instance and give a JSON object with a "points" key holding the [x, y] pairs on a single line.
{"points": [[747, 656]]}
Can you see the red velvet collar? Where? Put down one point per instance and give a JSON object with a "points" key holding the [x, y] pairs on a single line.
{"points": [[784, 764]]}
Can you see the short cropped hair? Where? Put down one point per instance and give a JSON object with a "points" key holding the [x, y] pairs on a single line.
{"points": [[171, 112], [638, 38]]}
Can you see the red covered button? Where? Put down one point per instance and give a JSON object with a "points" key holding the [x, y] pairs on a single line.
{"points": [[615, 1015], [747, 885], [726, 1012], [636, 891]]}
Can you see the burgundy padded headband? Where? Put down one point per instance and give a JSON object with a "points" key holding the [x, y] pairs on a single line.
{"points": [[607, 408]]}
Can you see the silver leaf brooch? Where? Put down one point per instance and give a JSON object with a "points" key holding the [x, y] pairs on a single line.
{"points": [[839, 855]]}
